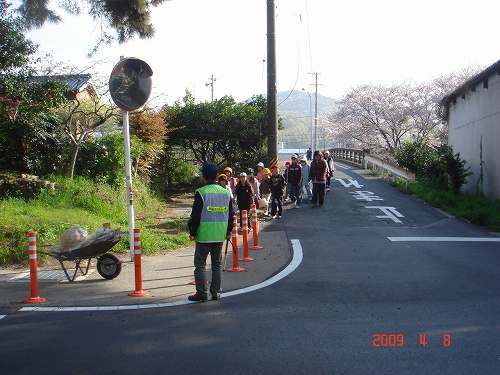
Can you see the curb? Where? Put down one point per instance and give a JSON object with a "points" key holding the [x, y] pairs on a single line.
{"points": [[297, 256]]}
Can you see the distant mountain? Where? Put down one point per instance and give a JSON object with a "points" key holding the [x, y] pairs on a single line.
{"points": [[298, 102], [294, 111]]}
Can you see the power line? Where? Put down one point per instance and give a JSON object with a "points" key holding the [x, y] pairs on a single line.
{"points": [[298, 71], [308, 35]]}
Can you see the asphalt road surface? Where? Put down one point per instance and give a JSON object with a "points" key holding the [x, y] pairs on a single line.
{"points": [[353, 284]]}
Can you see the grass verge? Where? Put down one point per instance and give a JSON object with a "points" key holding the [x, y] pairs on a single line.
{"points": [[88, 204], [476, 209]]}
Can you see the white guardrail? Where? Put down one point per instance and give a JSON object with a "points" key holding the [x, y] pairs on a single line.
{"points": [[366, 161]]}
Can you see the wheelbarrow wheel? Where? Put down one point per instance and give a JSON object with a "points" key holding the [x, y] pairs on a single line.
{"points": [[109, 266]]}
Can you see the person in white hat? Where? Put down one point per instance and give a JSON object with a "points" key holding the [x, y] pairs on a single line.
{"points": [[305, 177], [260, 172], [331, 169]]}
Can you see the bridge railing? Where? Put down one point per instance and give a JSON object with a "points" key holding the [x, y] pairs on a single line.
{"points": [[348, 154], [363, 159]]}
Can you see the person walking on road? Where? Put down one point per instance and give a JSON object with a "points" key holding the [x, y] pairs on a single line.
{"points": [[317, 175], [244, 197], [309, 154], [285, 176], [278, 185], [305, 177], [330, 170], [295, 181], [232, 181], [265, 189], [222, 180], [209, 225], [254, 183], [260, 172]]}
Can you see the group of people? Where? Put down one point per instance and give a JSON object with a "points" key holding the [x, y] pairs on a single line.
{"points": [[270, 190], [211, 216]]}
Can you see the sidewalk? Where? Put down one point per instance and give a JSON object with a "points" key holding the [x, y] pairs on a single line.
{"points": [[167, 277]]}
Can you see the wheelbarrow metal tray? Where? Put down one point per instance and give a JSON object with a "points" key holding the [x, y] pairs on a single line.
{"points": [[91, 251]]}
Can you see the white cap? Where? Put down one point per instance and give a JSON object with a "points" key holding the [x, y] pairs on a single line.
{"points": [[243, 174], [260, 164]]}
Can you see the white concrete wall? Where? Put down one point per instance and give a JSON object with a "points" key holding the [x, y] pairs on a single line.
{"points": [[470, 118]]}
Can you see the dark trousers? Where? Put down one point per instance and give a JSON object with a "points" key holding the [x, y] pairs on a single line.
{"points": [[328, 181], [200, 260], [295, 194], [276, 205], [318, 193]]}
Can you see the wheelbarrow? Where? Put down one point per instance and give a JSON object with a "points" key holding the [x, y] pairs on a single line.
{"points": [[108, 265]]}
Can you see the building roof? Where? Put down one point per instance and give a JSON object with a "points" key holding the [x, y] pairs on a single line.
{"points": [[470, 85], [75, 82]]}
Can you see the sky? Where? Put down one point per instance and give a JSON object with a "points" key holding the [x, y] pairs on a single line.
{"points": [[348, 42]]}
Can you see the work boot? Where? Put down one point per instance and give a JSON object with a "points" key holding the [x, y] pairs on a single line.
{"points": [[198, 298]]}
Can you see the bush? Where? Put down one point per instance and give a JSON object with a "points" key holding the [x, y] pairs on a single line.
{"points": [[416, 157], [436, 166], [102, 159]]}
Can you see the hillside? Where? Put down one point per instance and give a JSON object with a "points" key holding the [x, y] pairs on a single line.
{"points": [[298, 102], [296, 116]]}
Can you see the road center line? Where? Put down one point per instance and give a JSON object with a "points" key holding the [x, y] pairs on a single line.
{"points": [[443, 239], [297, 257], [2, 316]]}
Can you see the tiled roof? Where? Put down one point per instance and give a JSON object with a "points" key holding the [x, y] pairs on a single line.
{"points": [[74, 81], [471, 84]]}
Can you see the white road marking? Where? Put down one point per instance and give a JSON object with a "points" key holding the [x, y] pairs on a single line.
{"points": [[443, 239], [390, 213], [354, 183], [2, 316], [51, 275], [364, 195], [342, 166], [297, 257]]}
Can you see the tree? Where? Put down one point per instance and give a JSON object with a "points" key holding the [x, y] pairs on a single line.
{"points": [[382, 117], [223, 131], [127, 17], [26, 125], [374, 116], [79, 119], [148, 130], [15, 49]]}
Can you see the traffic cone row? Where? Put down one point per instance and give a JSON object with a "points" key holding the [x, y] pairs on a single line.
{"points": [[139, 292], [244, 225]]}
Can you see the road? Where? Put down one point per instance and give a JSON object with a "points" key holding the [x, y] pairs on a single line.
{"points": [[353, 283]]}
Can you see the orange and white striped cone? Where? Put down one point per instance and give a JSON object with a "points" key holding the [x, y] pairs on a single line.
{"points": [[246, 256], [34, 298], [234, 239], [139, 292], [255, 225]]}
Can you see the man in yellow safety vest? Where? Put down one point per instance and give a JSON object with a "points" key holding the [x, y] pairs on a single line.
{"points": [[210, 224]]}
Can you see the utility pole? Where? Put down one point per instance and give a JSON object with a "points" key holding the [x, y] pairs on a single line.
{"points": [[211, 84], [310, 119], [315, 84], [272, 115]]}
